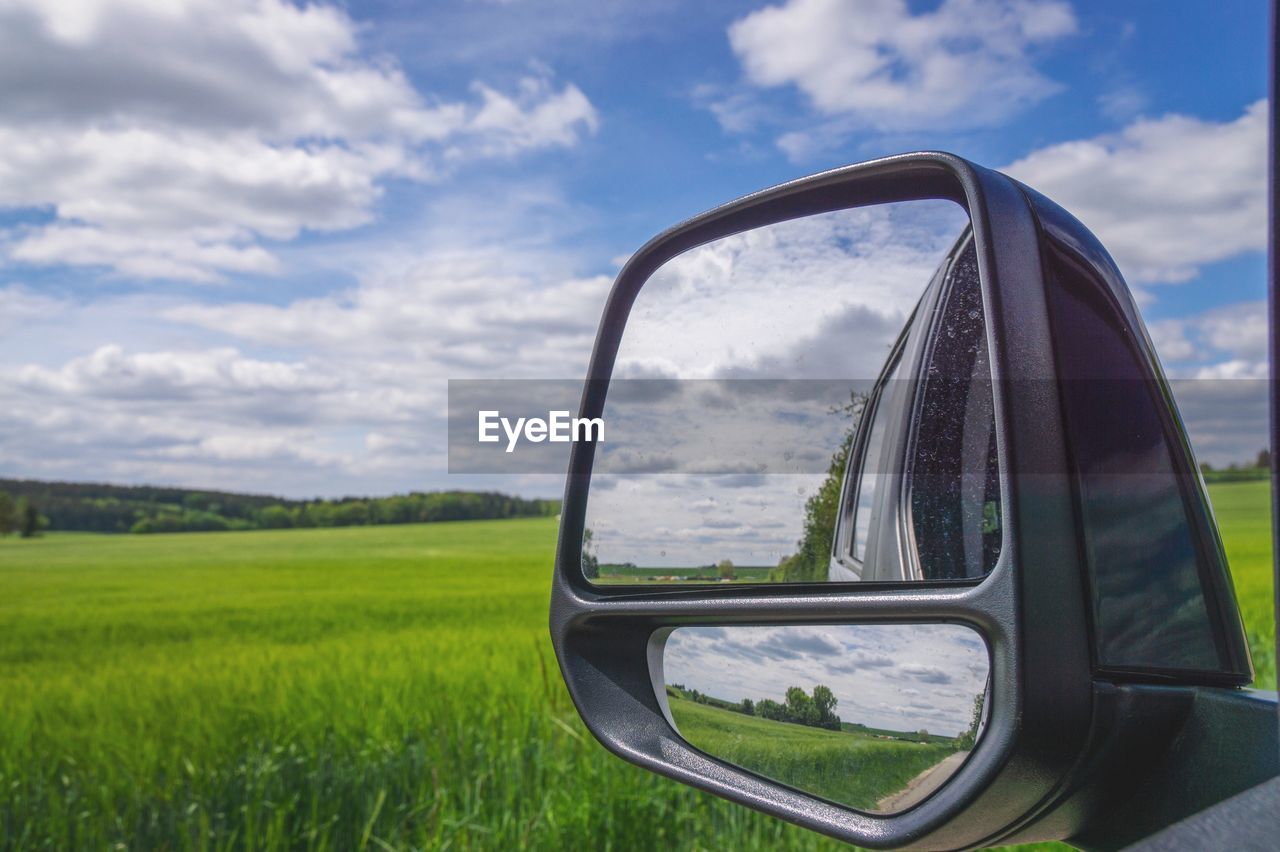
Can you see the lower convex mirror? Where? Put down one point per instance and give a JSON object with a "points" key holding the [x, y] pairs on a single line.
{"points": [[874, 717]]}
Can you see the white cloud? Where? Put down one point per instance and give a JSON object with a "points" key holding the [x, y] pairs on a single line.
{"points": [[1239, 329], [19, 304], [170, 140], [963, 64], [1217, 363], [535, 117], [340, 394], [111, 372], [1171, 341], [454, 313], [1164, 195]]}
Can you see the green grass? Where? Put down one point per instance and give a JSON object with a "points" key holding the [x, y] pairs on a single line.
{"points": [[1243, 510], [365, 687], [322, 689], [851, 769]]}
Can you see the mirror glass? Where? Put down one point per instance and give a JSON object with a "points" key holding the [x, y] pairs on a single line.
{"points": [[874, 717], [771, 388]]}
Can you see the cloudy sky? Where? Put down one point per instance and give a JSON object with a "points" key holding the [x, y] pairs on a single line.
{"points": [[245, 243], [902, 677]]}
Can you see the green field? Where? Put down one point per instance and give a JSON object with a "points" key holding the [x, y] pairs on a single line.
{"points": [[1243, 510], [851, 769], [362, 687]]}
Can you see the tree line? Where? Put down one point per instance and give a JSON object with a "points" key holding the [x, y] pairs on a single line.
{"points": [[1258, 468], [817, 710], [19, 516], [91, 507]]}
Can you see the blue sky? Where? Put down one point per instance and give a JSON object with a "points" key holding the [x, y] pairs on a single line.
{"points": [[244, 243]]}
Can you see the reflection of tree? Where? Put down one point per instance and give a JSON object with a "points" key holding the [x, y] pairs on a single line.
{"points": [[812, 558], [590, 563], [725, 570], [801, 708], [966, 740]]}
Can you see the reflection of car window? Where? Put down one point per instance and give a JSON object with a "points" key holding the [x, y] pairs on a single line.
{"points": [[871, 473], [954, 474]]}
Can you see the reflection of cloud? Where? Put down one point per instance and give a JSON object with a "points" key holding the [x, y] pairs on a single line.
{"points": [[891, 679], [798, 642], [773, 302], [925, 674], [683, 520]]}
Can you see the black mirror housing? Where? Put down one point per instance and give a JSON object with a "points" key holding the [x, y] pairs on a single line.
{"points": [[1057, 707]]}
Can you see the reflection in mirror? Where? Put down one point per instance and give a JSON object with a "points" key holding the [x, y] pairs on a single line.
{"points": [[874, 717], [743, 379]]}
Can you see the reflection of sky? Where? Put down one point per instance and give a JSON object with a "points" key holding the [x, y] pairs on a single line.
{"points": [[820, 297], [677, 520], [817, 298], [896, 676]]}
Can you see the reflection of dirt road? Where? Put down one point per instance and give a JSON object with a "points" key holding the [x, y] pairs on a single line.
{"points": [[923, 784]]}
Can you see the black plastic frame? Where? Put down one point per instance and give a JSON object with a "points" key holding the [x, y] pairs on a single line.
{"points": [[1064, 235], [1041, 689]]}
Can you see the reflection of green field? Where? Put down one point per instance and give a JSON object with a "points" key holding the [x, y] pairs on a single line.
{"points": [[640, 574], [852, 769]]}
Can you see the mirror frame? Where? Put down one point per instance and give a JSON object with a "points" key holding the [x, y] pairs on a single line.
{"points": [[1049, 721]]}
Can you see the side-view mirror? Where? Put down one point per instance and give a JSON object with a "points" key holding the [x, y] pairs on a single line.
{"points": [[897, 533]]}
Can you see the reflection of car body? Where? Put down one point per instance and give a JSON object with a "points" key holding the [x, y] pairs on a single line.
{"points": [[927, 379], [1020, 469]]}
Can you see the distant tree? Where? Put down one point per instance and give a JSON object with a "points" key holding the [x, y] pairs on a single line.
{"points": [[1264, 459], [725, 569], [350, 513], [923, 734], [1205, 467], [748, 707], [275, 517], [28, 518], [94, 507], [590, 562], [8, 514]]}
